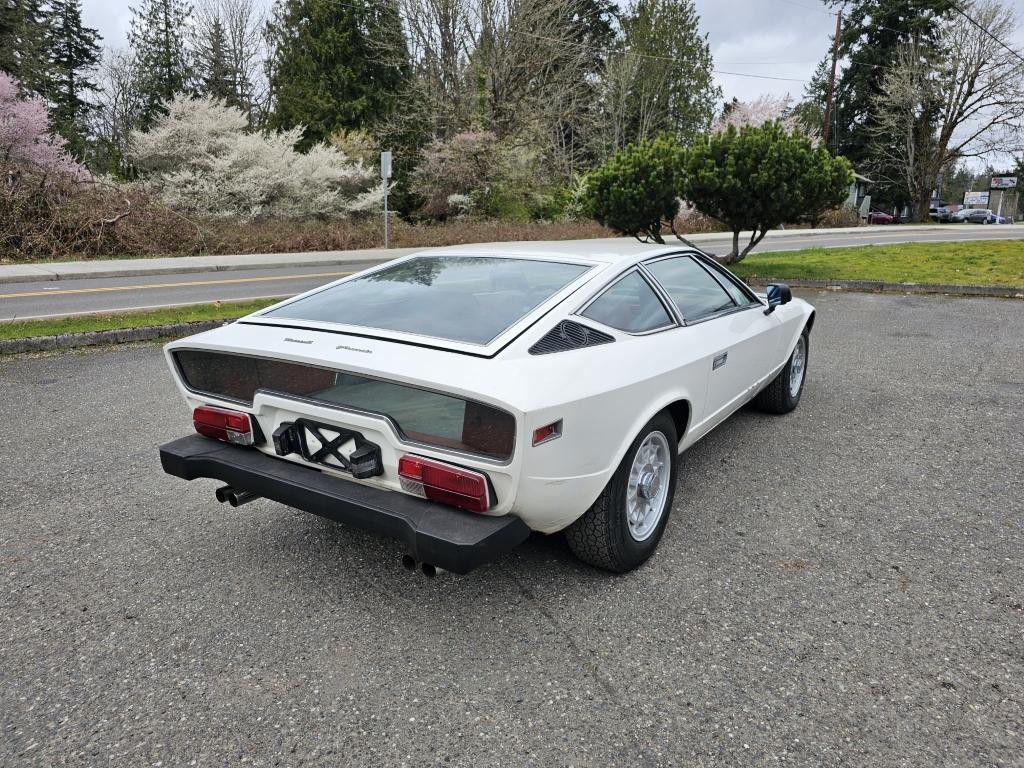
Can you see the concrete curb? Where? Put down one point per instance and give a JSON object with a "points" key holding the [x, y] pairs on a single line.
{"points": [[94, 338], [877, 286], [102, 268]]}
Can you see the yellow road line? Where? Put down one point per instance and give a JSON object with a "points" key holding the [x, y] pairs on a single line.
{"points": [[231, 281]]}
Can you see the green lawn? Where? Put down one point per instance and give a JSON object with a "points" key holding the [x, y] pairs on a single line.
{"points": [[23, 329], [978, 262]]}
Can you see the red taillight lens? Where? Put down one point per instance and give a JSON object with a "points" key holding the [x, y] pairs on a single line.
{"points": [[222, 424], [443, 483]]}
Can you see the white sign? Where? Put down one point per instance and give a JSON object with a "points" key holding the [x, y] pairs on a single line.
{"points": [[1004, 182], [976, 198], [385, 164]]}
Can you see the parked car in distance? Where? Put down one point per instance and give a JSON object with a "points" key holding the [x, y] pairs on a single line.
{"points": [[459, 398], [981, 216], [961, 215], [879, 217], [939, 213]]}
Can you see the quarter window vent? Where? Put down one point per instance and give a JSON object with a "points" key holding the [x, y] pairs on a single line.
{"points": [[569, 334]]}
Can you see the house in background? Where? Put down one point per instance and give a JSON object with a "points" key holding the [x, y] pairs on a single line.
{"points": [[858, 196]]}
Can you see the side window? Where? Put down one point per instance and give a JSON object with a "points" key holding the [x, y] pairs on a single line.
{"points": [[629, 305], [695, 292], [731, 288]]}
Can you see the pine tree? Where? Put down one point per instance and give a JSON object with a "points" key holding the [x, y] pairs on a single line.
{"points": [[71, 53], [333, 66], [871, 33], [158, 37], [22, 29], [10, 21], [213, 66]]}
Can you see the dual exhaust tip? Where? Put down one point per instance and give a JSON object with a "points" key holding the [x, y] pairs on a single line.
{"points": [[429, 570], [234, 496]]}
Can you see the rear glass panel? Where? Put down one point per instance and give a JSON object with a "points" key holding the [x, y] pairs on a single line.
{"points": [[420, 415], [629, 305], [458, 298]]}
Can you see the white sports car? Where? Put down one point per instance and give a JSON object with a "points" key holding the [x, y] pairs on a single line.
{"points": [[459, 398]]}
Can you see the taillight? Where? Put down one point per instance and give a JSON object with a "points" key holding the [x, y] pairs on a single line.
{"points": [[222, 424], [444, 483]]}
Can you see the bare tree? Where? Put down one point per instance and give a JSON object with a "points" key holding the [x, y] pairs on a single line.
{"points": [[510, 67], [120, 106], [939, 105], [241, 22]]}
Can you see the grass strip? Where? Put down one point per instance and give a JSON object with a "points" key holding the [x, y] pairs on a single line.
{"points": [[974, 262], [24, 329]]}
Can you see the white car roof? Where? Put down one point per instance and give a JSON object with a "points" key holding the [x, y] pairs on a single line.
{"points": [[611, 250]]}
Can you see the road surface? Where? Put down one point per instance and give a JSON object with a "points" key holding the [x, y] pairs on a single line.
{"points": [[837, 587], [82, 296]]}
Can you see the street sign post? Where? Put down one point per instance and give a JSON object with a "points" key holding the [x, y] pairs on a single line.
{"points": [[385, 175]]}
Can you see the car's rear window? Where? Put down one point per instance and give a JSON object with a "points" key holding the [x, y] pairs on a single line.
{"points": [[458, 298], [420, 415]]}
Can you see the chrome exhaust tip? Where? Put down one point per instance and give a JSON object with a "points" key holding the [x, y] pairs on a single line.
{"points": [[431, 571]]}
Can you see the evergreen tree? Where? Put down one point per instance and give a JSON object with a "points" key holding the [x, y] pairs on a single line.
{"points": [[158, 34], [10, 21], [871, 33], [668, 84], [71, 53], [22, 29], [334, 65], [213, 67], [810, 112]]}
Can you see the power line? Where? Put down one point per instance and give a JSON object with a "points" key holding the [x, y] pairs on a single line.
{"points": [[986, 32]]}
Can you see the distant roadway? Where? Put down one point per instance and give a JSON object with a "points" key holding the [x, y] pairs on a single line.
{"points": [[52, 298]]}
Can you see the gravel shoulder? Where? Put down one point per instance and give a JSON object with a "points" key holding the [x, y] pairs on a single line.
{"points": [[842, 586]]}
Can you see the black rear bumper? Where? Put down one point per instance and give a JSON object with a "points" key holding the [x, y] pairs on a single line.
{"points": [[449, 538]]}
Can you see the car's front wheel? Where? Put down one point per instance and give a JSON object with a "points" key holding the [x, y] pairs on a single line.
{"points": [[783, 394], [623, 527]]}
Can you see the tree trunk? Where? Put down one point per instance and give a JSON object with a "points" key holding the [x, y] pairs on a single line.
{"points": [[922, 205]]}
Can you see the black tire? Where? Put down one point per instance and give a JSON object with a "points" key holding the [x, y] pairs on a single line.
{"points": [[777, 397], [601, 537]]}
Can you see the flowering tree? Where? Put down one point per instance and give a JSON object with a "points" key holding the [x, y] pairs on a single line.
{"points": [[27, 144], [201, 158], [766, 108]]}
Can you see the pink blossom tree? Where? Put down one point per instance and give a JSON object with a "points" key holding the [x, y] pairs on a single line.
{"points": [[27, 144]]}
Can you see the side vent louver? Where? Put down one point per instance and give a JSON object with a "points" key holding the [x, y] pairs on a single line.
{"points": [[569, 335]]}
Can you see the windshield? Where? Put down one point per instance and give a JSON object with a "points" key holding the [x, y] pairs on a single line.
{"points": [[459, 298]]}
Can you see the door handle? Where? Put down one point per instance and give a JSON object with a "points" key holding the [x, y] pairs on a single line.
{"points": [[719, 361]]}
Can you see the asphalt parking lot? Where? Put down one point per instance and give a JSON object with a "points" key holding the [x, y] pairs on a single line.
{"points": [[842, 586]]}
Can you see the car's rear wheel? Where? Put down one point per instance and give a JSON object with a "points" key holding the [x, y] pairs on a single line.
{"points": [[623, 527], [783, 394]]}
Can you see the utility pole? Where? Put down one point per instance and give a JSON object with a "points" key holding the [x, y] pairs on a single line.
{"points": [[385, 175], [832, 79]]}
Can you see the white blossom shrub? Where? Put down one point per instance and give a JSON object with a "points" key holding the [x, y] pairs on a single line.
{"points": [[201, 159]]}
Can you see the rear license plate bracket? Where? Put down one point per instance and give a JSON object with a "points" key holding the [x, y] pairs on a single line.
{"points": [[329, 446]]}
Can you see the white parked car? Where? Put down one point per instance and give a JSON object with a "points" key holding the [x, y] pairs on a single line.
{"points": [[459, 398]]}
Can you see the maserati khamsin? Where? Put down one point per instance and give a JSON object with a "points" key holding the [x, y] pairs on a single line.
{"points": [[459, 398]]}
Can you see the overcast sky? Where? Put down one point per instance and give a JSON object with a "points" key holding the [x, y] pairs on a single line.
{"points": [[771, 38]]}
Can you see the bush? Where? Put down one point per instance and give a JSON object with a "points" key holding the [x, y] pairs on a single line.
{"points": [[200, 159], [635, 191], [759, 177]]}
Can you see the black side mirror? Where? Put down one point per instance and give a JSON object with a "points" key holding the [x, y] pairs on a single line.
{"points": [[777, 293]]}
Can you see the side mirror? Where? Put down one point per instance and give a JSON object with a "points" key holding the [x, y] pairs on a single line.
{"points": [[777, 293]]}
